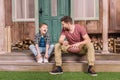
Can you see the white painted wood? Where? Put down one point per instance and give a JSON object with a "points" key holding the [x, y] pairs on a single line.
{"points": [[36, 16], [105, 26], [2, 25]]}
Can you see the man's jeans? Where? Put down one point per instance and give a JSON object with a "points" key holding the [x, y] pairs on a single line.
{"points": [[42, 49], [87, 49]]}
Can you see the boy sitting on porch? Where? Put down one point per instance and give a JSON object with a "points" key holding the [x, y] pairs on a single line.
{"points": [[42, 45]]}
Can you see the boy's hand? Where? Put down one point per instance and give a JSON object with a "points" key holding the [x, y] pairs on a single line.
{"points": [[46, 55]]}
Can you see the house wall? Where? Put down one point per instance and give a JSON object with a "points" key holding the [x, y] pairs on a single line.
{"points": [[19, 30], [23, 30]]}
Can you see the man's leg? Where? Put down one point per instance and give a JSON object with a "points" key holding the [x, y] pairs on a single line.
{"points": [[58, 58], [91, 58], [90, 54]]}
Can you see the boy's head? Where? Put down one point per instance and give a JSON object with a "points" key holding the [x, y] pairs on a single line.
{"points": [[43, 28]]}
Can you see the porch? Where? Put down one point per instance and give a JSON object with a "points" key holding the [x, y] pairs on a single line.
{"points": [[24, 61]]}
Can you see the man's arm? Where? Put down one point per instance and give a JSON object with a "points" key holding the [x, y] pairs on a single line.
{"points": [[86, 40], [63, 41]]}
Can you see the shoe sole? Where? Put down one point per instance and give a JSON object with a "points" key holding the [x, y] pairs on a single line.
{"points": [[56, 73], [93, 74]]}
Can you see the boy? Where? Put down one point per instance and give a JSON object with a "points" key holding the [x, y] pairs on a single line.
{"points": [[42, 45]]}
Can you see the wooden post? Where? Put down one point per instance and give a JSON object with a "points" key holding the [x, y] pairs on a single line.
{"points": [[2, 25], [8, 39], [105, 26]]}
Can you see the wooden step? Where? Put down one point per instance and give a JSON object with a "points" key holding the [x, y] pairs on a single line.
{"points": [[100, 66], [24, 61]]}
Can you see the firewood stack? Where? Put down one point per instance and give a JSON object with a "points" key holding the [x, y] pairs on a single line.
{"points": [[111, 44], [98, 44], [117, 45], [22, 45]]}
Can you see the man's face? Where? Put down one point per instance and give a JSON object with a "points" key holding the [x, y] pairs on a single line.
{"points": [[65, 26], [44, 29]]}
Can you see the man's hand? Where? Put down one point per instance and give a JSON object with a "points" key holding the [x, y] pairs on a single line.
{"points": [[76, 44], [65, 43]]}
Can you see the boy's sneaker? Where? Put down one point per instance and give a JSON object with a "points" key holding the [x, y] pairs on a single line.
{"points": [[40, 60], [58, 70], [91, 71], [45, 60]]}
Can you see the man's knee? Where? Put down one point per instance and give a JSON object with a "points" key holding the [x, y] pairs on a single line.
{"points": [[90, 44], [57, 45]]}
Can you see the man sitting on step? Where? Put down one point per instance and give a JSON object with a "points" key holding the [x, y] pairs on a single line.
{"points": [[73, 37]]}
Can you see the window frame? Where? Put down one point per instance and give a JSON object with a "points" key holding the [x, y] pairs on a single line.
{"points": [[96, 11], [14, 12]]}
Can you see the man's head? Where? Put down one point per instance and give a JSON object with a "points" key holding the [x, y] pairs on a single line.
{"points": [[43, 28], [66, 22]]}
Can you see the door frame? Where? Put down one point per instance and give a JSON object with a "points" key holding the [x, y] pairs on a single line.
{"points": [[37, 14]]}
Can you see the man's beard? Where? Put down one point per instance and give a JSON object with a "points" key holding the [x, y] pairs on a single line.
{"points": [[66, 29]]}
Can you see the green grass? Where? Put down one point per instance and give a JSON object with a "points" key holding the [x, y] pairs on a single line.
{"points": [[65, 76]]}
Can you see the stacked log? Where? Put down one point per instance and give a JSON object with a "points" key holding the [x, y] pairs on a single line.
{"points": [[22, 45], [117, 45], [98, 44]]}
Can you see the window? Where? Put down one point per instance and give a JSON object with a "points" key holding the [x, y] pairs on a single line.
{"points": [[85, 9], [23, 10]]}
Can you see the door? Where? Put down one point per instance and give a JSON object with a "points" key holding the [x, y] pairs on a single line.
{"points": [[50, 12]]}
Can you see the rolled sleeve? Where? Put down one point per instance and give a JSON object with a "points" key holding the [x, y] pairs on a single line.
{"points": [[47, 39], [36, 39]]}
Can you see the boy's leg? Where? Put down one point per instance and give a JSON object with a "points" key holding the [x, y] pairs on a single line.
{"points": [[50, 50], [33, 49]]}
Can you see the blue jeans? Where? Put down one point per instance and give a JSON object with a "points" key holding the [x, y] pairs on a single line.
{"points": [[42, 50]]}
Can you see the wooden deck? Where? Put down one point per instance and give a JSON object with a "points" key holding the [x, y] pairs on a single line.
{"points": [[24, 61]]}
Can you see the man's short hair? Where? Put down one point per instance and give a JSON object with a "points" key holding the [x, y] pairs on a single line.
{"points": [[67, 19]]}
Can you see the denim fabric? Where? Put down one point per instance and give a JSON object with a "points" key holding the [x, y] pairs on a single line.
{"points": [[42, 49]]}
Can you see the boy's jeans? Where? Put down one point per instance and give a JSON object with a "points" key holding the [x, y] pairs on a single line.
{"points": [[42, 49]]}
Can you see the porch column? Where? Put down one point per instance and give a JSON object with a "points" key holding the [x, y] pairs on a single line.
{"points": [[105, 26], [2, 25]]}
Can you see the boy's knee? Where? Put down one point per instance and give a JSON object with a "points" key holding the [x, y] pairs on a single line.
{"points": [[31, 46], [52, 45]]}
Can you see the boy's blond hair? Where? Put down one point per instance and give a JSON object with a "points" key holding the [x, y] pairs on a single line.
{"points": [[42, 25]]}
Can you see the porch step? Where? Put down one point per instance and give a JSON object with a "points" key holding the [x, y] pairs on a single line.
{"points": [[24, 61], [100, 66]]}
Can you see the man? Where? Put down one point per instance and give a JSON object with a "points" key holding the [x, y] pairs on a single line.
{"points": [[76, 36]]}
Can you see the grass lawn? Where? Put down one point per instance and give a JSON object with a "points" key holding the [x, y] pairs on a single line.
{"points": [[4, 75]]}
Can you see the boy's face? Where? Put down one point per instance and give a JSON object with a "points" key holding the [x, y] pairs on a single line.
{"points": [[44, 29]]}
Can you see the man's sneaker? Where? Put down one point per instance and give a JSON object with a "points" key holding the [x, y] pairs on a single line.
{"points": [[58, 70], [91, 71], [45, 60]]}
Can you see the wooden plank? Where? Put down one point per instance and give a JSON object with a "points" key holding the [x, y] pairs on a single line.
{"points": [[2, 25], [8, 39]]}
